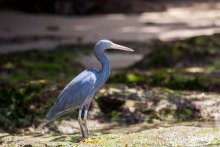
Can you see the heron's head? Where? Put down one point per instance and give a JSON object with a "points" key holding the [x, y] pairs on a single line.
{"points": [[106, 44]]}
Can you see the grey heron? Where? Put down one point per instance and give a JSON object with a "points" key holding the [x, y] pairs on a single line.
{"points": [[81, 90]]}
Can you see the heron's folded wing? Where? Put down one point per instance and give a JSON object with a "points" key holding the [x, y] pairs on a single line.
{"points": [[74, 94]]}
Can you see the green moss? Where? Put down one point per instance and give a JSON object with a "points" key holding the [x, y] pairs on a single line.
{"points": [[180, 81], [126, 77], [166, 56], [216, 141], [201, 50], [29, 65], [133, 78], [30, 82], [114, 116], [18, 104], [158, 79]]}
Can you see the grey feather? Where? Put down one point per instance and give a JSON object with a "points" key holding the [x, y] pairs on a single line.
{"points": [[74, 94]]}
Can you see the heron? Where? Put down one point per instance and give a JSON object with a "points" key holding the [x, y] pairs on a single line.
{"points": [[82, 89]]}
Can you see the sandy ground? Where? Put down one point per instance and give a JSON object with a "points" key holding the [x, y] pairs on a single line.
{"points": [[20, 31]]}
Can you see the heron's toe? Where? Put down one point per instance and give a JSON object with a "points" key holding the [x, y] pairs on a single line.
{"points": [[82, 140]]}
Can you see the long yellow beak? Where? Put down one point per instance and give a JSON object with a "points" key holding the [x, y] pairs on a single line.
{"points": [[120, 47]]}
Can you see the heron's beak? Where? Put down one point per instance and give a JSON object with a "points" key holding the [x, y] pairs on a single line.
{"points": [[120, 47]]}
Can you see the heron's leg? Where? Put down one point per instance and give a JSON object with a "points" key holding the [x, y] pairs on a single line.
{"points": [[85, 119], [80, 122]]}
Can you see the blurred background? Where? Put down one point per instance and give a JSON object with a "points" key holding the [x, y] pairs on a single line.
{"points": [[172, 78]]}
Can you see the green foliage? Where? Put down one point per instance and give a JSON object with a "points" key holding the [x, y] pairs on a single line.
{"points": [[170, 78], [126, 78], [158, 78], [22, 104], [179, 81], [187, 114], [33, 65], [191, 52], [134, 78], [167, 64], [185, 82], [166, 56], [113, 116], [27, 87]]}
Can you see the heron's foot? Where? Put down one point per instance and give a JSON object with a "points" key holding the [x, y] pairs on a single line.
{"points": [[82, 140], [90, 140]]}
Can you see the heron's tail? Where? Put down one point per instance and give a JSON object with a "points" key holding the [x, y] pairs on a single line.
{"points": [[51, 115], [47, 121]]}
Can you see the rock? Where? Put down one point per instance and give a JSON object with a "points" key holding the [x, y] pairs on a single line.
{"points": [[31, 129], [158, 103], [161, 136], [183, 136], [108, 103], [2, 131], [207, 104], [164, 104], [130, 117]]}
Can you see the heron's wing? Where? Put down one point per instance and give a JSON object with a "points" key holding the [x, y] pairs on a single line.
{"points": [[74, 94]]}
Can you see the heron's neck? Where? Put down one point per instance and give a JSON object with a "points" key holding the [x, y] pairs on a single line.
{"points": [[105, 71]]}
